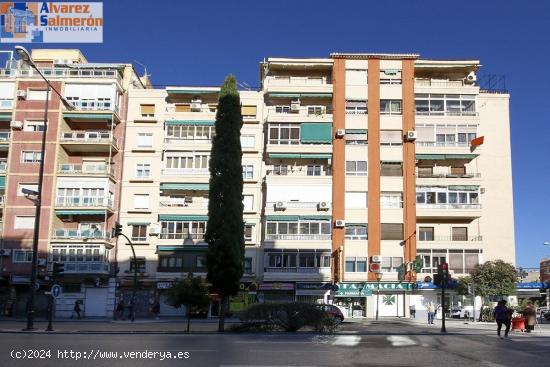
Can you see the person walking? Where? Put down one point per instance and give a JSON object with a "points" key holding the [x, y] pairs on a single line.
{"points": [[431, 312], [76, 309], [120, 309], [530, 314], [503, 316], [412, 310]]}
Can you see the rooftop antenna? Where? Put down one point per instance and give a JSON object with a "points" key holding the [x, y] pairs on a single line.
{"points": [[144, 69], [244, 85]]}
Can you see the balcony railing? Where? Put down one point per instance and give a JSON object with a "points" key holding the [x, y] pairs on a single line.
{"points": [[74, 234], [296, 172], [94, 105], [297, 204], [4, 136], [198, 237], [204, 108], [301, 111], [298, 80], [448, 206], [448, 175], [85, 169], [442, 144], [446, 113], [451, 238], [89, 137], [182, 203], [299, 237], [82, 201], [72, 72], [174, 140], [185, 171], [6, 104], [296, 270], [438, 83], [3, 165], [86, 267]]}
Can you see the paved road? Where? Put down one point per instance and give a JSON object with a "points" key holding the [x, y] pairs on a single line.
{"points": [[389, 343]]}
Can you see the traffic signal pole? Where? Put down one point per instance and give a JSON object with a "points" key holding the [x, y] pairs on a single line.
{"points": [[443, 329]]}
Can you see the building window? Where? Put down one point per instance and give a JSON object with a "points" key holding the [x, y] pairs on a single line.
{"points": [[445, 104], [21, 186], [284, 134], [425, 171], [147, 110], [248, 232], [248, 111], [143, 170], [460, 234], [314, 170], [356, 200], [188, 161], [141, 201], [298, 230], [280, 169], [248, 141], [248, 203], [391, 264], [72, 287], [391, 231], [24, 222], [141, 265], [139, 232], [190, 132], [390, 76], [28, 156], [145, 140], [356, 77], [354, 107], [247, 265], [426, 233], [391, 200], [180, 229], [22, 256], [350, 265], [36, 94], [248, 172], [33, 125], [391, 137], [356, 264], [356, 137], [391, 168], [356, 232], [356, 168], [390, 107]]}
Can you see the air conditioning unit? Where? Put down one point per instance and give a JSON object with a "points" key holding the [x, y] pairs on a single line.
{"points": [[280, 205], [21, 94], [340, 133], [411, 135], [339, 223], [41, 262], [471, 78], [323, 205], [196, 104], [295, 106], [5, 251], [376, 259], [154, 229], [16, 125]]}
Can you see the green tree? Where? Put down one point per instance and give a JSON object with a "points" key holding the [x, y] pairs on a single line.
{"points": [[225, 230], [491, 279], [191, 292]]}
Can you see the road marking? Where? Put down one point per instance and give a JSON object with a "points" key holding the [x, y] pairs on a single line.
{"points": [[491, 364], [401, 341], [347, 340]]}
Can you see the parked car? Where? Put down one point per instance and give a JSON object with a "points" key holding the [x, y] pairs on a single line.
{"points": [[334, 311], [463, 312]]}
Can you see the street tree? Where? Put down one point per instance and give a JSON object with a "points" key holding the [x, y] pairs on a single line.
{"points": [[225, 229], [191, 292]]}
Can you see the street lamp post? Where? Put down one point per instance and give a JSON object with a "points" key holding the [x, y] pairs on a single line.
{"points": [[27, 59], [378, 278]]}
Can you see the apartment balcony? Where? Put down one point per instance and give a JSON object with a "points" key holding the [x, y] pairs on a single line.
{"points": [[91, 170], [3, 166], [183, 206], [298, 237], [4, 139], [172, 143], [72, 235], [294, 84], [295, 149], [94, 105], [89, 142], [202, 172], [449, 210], [302, 114], [440, 83], [74, 71], [83, 202], [6, 104], [450, 240], [85, 267], [296, 273], [450, 148], [448, 178]]}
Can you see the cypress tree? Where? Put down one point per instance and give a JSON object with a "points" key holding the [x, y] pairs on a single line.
{"points": [[225, 229]]}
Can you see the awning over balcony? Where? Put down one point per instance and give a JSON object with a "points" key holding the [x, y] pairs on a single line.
{"points": [[80, 212], [194, 248], [442, 157], [190, 122], [138, 223], [86, 117], [301, 95], [184, 186], [303, 156], [5, 116], [356, 131], [182, 218], [2, 182], [356, 224], [295, 218], [316, 132]]}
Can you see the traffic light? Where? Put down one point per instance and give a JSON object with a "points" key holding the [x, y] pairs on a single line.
{"points": [[443, 275], [118, 229], [58, 268]]}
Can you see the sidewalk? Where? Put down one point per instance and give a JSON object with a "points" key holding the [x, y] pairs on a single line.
{"points": [[469, 324]]}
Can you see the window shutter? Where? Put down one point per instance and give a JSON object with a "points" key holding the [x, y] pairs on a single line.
{"points": [[147, 109], [248, 110]]}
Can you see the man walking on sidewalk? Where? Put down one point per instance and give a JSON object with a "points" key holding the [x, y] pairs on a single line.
{"points": [[502, 315], [431, 312]]}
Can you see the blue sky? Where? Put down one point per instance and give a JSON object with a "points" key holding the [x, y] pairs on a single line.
{"points": [[199, 42]]}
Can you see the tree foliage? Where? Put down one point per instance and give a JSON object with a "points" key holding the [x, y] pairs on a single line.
{"points": [[191, 292], [494, 278], [225, 230]]}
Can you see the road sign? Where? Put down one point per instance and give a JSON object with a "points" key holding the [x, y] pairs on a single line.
{"points": [[56, 290]]}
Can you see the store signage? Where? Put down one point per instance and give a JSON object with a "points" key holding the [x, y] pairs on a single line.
{"points": [[277, 286], [353, 290], [531, 285], [313, 286], [164, 285]]}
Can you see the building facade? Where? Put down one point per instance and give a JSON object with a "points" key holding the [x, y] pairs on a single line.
{"points": [[349, 161]]}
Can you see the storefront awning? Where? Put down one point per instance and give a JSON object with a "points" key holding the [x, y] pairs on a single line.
{"points": [[190, 122], [184, 186], [182, 218]]}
